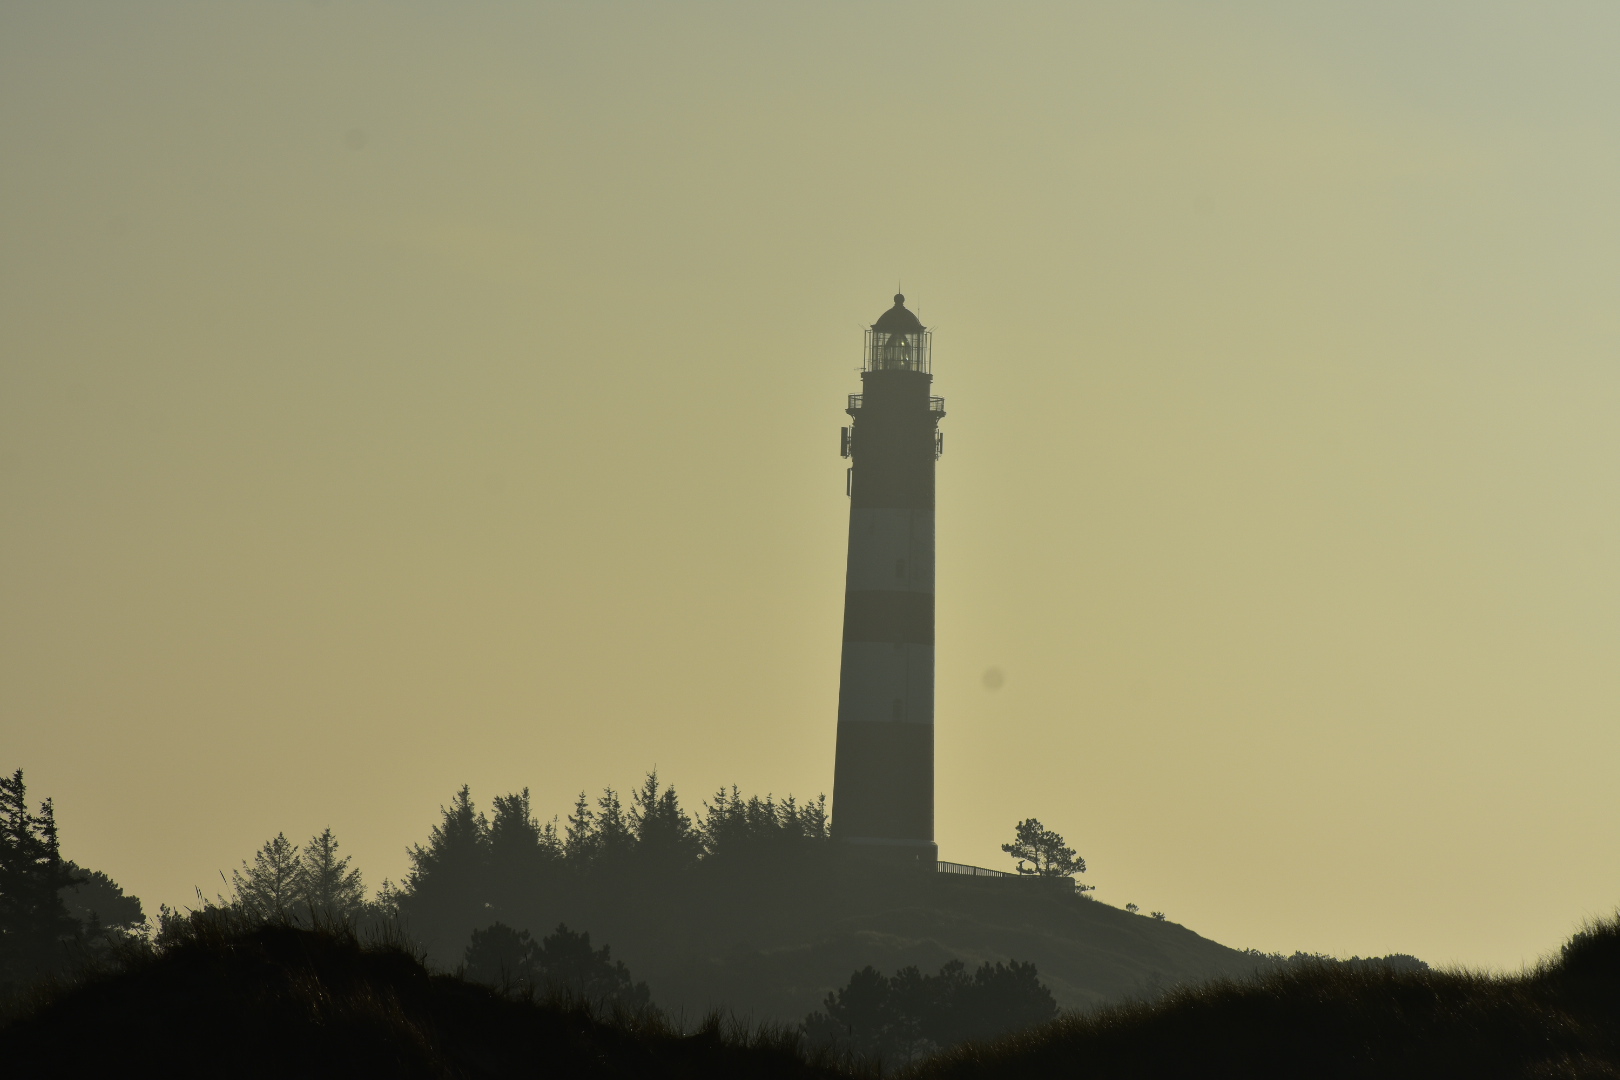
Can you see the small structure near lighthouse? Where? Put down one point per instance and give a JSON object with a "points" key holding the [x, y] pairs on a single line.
{"points": [[883, 784]]}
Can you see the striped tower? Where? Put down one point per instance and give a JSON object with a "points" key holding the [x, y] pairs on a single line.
{"points": [[883, 786]]}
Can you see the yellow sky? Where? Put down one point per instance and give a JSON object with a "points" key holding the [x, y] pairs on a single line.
{"points": [[400, 395]]}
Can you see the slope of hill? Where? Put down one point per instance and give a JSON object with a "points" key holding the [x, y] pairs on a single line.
{"points": [[1340, 1021], [773, 945]]}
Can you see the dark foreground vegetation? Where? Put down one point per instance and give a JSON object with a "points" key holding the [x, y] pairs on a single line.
{"points": [[219, 995]]}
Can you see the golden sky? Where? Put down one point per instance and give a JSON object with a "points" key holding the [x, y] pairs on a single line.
{"points": [[400, 395]]}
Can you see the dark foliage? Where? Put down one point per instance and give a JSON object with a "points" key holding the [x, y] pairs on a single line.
{"points": [[910, 1014], [218, 994], [37, 934], [1046, 852], [475, 871], [96, 900], [563, 963], [1344, 1020], [221, 993], [54, 915]]}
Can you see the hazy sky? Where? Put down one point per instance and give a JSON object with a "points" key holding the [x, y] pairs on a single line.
{"points": [[400, 395]]}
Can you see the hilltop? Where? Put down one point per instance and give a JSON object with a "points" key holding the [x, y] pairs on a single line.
{"points": [[772, 945]]}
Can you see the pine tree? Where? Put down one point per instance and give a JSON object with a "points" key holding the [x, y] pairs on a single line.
{"points": [[565, 962], [521, 853], [614, 838], [458, 847], [328, 889], [579, 836], [272, 887], [446, 893], [501, 957], [734, 828], [36, 930], [898, 1018], [100, 904], [664, 833], [1046, 852]]}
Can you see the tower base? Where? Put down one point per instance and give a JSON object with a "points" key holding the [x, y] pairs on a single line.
{"points": [[921, 854]]}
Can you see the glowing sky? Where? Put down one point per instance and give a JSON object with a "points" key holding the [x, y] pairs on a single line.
{"points": [[400, 395]]}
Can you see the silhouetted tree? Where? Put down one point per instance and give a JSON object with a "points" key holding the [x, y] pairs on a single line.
{"points": [[100, 903], [271, 887], [327, 888], [999, 999], [664, 834], [474, 871], [522, 852], [615, 839], [860, 1017], [563, 962], [445, 892], [1045, 851], [734, 828], [567, 963], [579, 835], [37, 932], [501, 956], [908, 1014]]}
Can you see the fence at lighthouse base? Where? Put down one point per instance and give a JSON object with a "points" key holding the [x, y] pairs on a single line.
{"points": [[1063, 884]]}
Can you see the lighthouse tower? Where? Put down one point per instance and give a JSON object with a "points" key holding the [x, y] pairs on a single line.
{"points": [[883, 786]]}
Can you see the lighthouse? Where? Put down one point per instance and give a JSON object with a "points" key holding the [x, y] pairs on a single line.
{"points": [[883, 784]]}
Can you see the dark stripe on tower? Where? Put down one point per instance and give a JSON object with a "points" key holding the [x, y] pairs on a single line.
{"points": [[889, 616], [891, 768]]}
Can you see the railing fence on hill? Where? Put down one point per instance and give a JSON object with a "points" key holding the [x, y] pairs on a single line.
{"points": [[980, 871]]}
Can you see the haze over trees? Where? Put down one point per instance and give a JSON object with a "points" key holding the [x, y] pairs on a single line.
{"points": [[562, 963], [53, 913], [311, 884], [908, 1015], [475, 869], [744, 904]]}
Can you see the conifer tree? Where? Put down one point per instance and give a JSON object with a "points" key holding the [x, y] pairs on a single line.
{"points": [[446, 891], [614, 838], [736, 828], [100, 903], [36, 931], [564, 961], [272, 887], [521, 852], [1047, 854], [328, 889], [579, 835], [664, 833], [457, 847]]}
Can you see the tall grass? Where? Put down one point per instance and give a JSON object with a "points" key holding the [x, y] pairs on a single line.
{"points": [[218, 995], [1561, 1019]]}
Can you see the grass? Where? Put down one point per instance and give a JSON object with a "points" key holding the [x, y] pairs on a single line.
{"points": [[226, 998], [1559, 1020], [221, 997]]}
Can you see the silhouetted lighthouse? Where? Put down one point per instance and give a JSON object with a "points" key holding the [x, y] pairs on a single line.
{"points": [[883, 787]]}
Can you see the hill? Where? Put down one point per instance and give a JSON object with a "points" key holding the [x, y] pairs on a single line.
{"points": [[279, 1001], [772, 944]]}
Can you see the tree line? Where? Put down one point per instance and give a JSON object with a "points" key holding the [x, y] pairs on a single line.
{"points": [[473, 870], [54, 914], [908, 1015], [473, 888]]}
